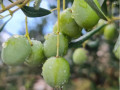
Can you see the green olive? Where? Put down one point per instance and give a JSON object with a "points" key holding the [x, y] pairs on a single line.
{"points": [[84, 15], [80, 56], [15, 50], [100, 23], [109, 31], [68, 26], [56, 71], [50, 45], [37, 56]]}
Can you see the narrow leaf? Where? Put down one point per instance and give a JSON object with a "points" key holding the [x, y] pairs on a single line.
{"points": [[77, 43], [11, 1], [101, 2], [96, 9], [3, 25], [117, 43], [31, 12]]}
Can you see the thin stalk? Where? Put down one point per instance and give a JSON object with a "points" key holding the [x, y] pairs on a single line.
{"points": [[115, 18], [63, 4], [53, 9], [58, 37], [27, 33]]}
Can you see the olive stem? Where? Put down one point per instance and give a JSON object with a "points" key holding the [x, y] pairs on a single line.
{"points": [[9, 13], [53, 9], [63, 4], [115, 18], [58, 38], [27, 33], [14, 4]]}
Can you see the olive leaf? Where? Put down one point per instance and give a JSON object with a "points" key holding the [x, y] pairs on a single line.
{"points": [[3, 25], [11, 1], [117, 44], [32, 12], [78, 42], [96, 9], [101, 2]]}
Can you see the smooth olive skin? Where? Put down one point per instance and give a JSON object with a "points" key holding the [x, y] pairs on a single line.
{"points": [[15, 50], [80, 56], [50, 45], [84, 15], [109, 31], [36, 57], [68, 26], [100, 23], [56, 71]]}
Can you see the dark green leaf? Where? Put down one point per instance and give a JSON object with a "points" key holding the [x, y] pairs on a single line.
{"points": [[101, 2], [96, 9], [3, 25], [11, 1], [31, 12], [85, 37]]}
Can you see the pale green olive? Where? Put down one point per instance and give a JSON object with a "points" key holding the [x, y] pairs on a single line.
{"points": [[84, 15], [15, 50], [80, 56], [109, 31], [50, 45], [68, 26], [36, 58], [56, 71]]}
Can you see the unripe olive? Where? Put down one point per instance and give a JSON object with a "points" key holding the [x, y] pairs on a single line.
{"points": [[36, 58], [84, 15], [56, 71], [80, 56], [15, 50], [50, 45], [100, 23], [109, 31], [68, 26]]}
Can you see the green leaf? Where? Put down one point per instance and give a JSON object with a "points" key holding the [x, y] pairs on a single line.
{"points": [[11, 1], [3, 25], [96, 9], [117, 44], [85, 37], [101, 2], [31, 12]]}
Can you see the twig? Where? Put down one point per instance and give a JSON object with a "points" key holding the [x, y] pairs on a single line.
{"points": [[14, 4], [11, 5]]}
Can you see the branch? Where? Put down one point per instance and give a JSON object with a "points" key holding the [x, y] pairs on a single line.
{"points": [[14, 4], [77, 43]]}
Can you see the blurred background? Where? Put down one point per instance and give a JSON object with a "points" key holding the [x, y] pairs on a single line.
{"points": [[100, 72]]}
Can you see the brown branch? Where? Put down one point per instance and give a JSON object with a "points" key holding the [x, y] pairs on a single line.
{"points": [[14, 4]]}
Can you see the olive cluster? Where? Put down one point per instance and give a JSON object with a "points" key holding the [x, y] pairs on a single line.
{"points": [[56, 70]]}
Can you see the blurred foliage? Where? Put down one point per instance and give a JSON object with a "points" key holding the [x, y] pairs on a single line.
{"points": [[100, 72]]}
